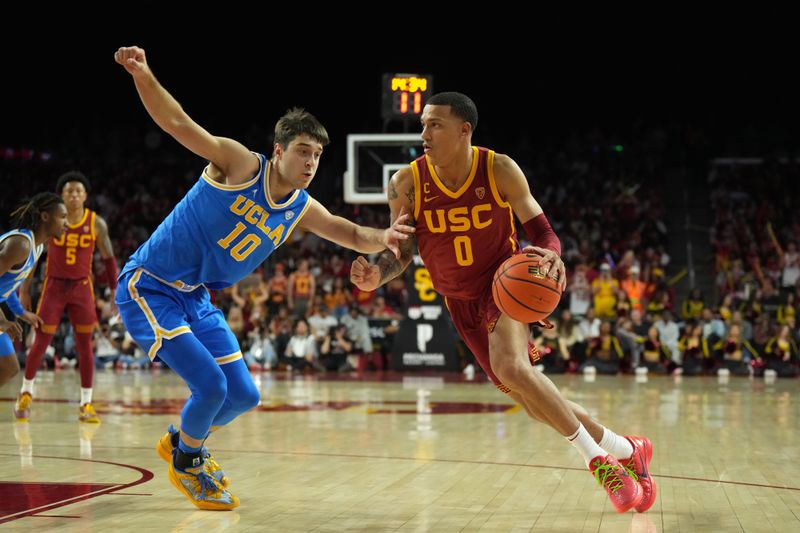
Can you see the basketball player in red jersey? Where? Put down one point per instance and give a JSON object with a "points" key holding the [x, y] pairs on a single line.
{"points": [[68, 284], [464, 199]]}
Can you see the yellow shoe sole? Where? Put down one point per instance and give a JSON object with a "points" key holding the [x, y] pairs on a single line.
{"points": [[206, 505]]}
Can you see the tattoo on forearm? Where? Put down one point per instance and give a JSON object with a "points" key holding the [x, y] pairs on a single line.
{"points": [[392, 191], [390, 266]]}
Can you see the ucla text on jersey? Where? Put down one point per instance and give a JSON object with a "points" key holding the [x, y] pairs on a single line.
{"points": [[218, 234]]}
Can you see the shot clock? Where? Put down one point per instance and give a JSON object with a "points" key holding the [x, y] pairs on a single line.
{"points": [[404, 95]]}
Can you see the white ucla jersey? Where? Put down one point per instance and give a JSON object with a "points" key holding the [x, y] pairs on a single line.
{"points": [[218, 234], [11, 280]]}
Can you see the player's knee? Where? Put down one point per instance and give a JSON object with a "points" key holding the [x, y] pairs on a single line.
{"points": [[246, 398], [509, 371], [215, 389]]}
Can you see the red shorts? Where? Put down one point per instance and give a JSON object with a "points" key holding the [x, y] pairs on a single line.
{"points": [[76, 295], [474, 320]]}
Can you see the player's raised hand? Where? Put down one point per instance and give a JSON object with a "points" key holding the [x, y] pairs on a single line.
{"points": [[132, 58], [364, 276], [32, 318], [550, 261], [399, 231]]}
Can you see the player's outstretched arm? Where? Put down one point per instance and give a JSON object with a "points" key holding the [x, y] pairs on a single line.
{"points": [[232, 159], [513, 188], [369, 277], [359, 238]]}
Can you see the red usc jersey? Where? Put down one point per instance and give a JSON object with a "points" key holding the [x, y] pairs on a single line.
{"points": [[302, 286], [463, 235], [70, 256]]}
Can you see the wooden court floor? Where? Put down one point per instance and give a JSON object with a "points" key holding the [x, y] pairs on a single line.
{"points": [[402, 453]]}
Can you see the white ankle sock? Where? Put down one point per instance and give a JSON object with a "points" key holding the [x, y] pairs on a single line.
{"points": [[86, 395], [27, 386], [585, 444], [619, 447]]}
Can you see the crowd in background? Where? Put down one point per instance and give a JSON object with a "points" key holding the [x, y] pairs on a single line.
{"points": [[606, 201]]}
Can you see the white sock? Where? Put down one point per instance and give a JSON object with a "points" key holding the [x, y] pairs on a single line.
{"points": [[27, 386], [619, 447], [585, 444], [86, 395]]}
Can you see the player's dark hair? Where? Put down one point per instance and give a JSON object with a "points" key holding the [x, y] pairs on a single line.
{"points": [[298, 121], [28, 214], [72, 175], [460, 104]]}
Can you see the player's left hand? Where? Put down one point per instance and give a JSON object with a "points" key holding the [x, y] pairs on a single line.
{"points": [[550, 261], [32, 319], [399, 231]]}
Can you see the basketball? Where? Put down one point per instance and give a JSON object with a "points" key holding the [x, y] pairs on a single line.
{"points": [[521, 292]]}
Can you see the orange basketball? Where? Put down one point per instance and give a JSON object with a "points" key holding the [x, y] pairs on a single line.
{"points": [[521, 292]]}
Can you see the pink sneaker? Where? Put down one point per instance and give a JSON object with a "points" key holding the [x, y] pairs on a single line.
{"points": [[623, 490], [639, 464]]}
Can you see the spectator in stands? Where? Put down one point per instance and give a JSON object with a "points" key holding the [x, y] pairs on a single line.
{"points": [[589, 325], [261, 355], [655, 355], [694, 350], [338, 300], [788, 309], [713, 327], [735, 353], [630, 342], [301, 351], [605, 290], [358, 329], [277, 287], [790, 267], [302, 289], [335, 348], [669, 334], [580, 292], [604, 352], [782, 355], [634, 288], [570, 335], [321, 321], [692, 307]]}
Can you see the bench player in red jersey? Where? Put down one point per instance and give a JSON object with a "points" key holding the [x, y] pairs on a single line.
{"points": [[68, 285], [464, 199]]}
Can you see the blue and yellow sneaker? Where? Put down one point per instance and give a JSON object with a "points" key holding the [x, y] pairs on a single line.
{"points": [[164, 448], [201, 489]]}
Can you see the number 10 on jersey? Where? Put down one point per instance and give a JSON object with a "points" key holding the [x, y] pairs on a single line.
{"points": [[244, 247]]}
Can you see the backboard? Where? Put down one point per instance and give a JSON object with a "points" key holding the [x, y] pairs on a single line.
{"points": [[372, 158]]}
